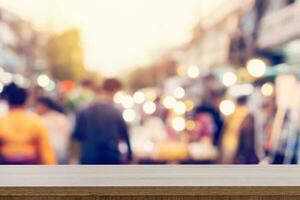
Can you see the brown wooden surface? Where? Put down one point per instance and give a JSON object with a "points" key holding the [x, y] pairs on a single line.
{"points": [[209, 193], [150, 182], [157, 197], [150, 191]]}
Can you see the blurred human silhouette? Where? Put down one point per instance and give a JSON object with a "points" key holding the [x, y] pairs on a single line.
{"points": [[208, 117], [23, 136], [238, 143], [58, 124], [99, 128], [246, 151], [81, 96]]}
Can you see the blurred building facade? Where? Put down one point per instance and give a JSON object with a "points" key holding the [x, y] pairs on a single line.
{"points": [[213, 34], [240, 30], [262, 29], [279, 31]]}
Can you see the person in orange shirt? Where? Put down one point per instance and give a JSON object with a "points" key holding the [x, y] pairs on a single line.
{"points": [[23, 136]]}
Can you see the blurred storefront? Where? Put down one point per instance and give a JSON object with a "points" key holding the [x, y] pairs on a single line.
{"points": [[280, 30], [237, 31], [264, 31], [212, 36], [246, 46]]}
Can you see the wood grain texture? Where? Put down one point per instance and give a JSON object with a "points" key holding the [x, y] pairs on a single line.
{"points": [[154, 197], [150, 191], [150, 182]]}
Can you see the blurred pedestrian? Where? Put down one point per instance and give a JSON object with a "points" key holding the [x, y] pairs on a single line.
{"points": [[81, 96], [238, 145], [99, 128], [58, 124], [23, 136], [209, 119]]}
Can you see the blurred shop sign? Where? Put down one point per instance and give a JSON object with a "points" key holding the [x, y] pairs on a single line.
{"points": [[280, 27]]}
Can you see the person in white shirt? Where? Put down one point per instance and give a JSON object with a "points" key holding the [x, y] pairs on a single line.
{"points": [[59, 127]]}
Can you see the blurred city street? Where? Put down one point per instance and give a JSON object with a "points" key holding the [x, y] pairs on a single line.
{"points": [[149, 82]]}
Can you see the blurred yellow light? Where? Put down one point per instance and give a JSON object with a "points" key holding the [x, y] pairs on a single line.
{"points": [[189, 105], [180, 108], [151, 95], [127, 101], [179, 92], [149, 107], [256, 68], [193, 72], [190, 125], [169, 102], [227, 107], [181, 71], [178, 123], [118, 98], [267, 89], [43, 80], [229, 79], [139, 97], [129, 115]]}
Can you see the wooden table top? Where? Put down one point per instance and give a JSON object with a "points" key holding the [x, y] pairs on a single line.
{"points": [[150, 180]]}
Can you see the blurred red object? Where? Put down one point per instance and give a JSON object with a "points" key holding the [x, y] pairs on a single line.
{"points": [[66, 86]]}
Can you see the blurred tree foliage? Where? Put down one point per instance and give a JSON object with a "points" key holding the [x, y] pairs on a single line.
{"points": [[141, 77], [65, 56], [152, 75]]}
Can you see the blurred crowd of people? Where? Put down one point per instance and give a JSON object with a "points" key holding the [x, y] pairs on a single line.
{"points": [[86, 126], [38, 129]]}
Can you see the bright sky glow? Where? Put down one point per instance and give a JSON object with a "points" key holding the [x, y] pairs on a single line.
{"points": [[117, 34]]}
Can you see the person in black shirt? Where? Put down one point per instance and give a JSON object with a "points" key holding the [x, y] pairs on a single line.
{"points": [[99, 128], [210, 104]]}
